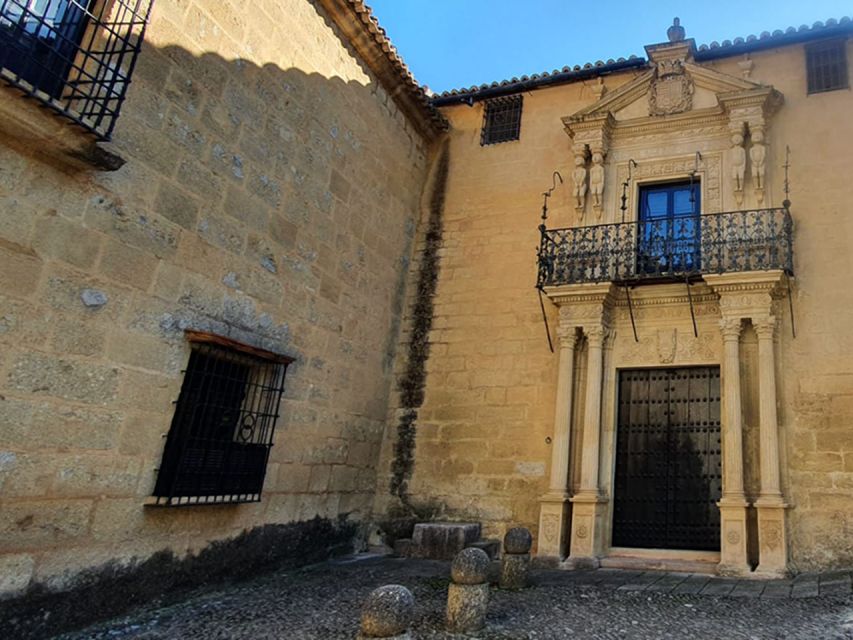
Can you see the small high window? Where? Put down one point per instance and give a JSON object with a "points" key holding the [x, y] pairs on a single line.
{"points": [[826, 66], [501, 120], [222, 431], [76, 56]]}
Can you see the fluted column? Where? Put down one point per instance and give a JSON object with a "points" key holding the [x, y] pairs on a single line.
{"points": [[563, 414], [553, 508], [733, 559], [592, 411], [588, 503], [772, 532]]}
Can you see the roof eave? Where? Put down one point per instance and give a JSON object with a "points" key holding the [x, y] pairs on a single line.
{"points": [[563, 77], [353, 18]]}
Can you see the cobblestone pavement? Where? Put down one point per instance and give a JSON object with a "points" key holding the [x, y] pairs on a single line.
{"points": [[323, 601]]}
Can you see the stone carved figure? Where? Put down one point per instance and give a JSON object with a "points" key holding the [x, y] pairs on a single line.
{"points": [[738, 166], [579, 178], [596, 181], [757, 159]]}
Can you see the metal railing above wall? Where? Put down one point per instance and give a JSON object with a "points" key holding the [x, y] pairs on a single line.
{"points": [[676, 248]]}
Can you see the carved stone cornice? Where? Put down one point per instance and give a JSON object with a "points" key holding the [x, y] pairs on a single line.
{"points": [[747, 294]]}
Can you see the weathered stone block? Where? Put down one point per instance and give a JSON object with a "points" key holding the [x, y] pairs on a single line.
{"points": [[442, 540], [70, 379]]}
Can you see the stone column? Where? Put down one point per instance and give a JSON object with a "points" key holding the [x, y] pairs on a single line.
{"points": [[772, 534], [553, 509], [733, 560], [587, 516]]}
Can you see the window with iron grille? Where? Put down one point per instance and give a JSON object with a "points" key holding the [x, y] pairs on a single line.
{"points": [[222, 430], [75, 56], [826, 66], [501, 120]]}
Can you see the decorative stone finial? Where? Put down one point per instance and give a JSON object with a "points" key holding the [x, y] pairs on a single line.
{"points": [[676, 32]]}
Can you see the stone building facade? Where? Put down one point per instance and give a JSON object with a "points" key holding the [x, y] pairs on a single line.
{"points": [[678, 250], [280, 199], [273, 163]]}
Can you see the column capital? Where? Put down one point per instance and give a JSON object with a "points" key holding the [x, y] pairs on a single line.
{"points": [[597, 334], [731, 328], [568, 336], [765, 326]]}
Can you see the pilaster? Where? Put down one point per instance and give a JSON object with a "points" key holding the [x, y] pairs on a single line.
{"points": [[553, 510], [587, 306], [749, 296], [772, 530]]}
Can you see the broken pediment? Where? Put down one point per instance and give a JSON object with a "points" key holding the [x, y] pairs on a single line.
{"points": [[674, 85]]}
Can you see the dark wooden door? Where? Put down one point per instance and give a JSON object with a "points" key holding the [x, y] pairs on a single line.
{"points": [[668, 459]]}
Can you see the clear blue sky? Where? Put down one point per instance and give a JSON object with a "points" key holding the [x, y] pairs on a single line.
{"points": [[456, 43]]}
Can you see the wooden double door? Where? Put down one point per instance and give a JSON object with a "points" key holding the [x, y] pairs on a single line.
{"points": [[668, 459]]}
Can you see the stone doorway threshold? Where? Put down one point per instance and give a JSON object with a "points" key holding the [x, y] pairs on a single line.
{"points": [[704, 562]]}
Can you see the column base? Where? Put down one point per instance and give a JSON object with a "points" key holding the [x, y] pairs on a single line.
{"points": [[587, 537], [733, 558], [553, 528], [772, 537]]}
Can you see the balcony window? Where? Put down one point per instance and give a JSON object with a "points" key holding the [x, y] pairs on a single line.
{"points": [[75, 56], [222, 430], [669, 229]]}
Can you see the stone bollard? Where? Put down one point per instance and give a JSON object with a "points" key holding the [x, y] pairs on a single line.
{"points": [[387, 613], [515, 563], [468, 593]]}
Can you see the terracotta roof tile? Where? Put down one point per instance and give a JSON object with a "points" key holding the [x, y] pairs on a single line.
{"points": [[704, 52]]}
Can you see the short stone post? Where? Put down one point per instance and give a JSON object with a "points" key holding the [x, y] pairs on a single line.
{"points": [[468, 594], [387, 613], [515, 563]]}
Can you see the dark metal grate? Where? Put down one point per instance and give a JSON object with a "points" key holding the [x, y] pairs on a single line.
{"points": [[826, 66], [501, 120], [675, 248], [75, 56], [222, 430]]}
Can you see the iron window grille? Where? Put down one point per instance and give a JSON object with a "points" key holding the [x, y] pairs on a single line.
{"points": [[501, 120], [826, 66], [222, 430], [74, 56]]}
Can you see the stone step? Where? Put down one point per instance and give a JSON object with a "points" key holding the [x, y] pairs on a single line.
{"points": [[681, 565], [442, 540], [491, 546]]}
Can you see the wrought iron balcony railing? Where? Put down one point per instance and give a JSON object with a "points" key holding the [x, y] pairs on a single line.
{"points": [[677, 248]]}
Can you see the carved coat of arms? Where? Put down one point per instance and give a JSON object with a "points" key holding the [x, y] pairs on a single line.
{"points": [[671, 90]]}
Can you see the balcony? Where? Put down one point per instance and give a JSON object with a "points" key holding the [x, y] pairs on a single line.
{"points": [[667, 250]]}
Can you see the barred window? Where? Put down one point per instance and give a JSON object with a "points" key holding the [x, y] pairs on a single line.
{"points": [[222, 430], [826, 66], [501, 120], [75, 56]]}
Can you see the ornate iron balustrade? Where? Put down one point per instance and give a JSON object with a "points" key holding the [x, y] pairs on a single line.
{"points": [[668, 249]]}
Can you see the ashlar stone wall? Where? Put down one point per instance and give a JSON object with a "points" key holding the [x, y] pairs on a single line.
{"points": [[270, 194], [482, 435]]}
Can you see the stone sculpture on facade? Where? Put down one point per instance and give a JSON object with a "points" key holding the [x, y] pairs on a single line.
{"points": [[596, 181], [579, 179], [387, 613], [468, 593], [671, 90], [757, 158], [738, 166], [515, 563]]}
